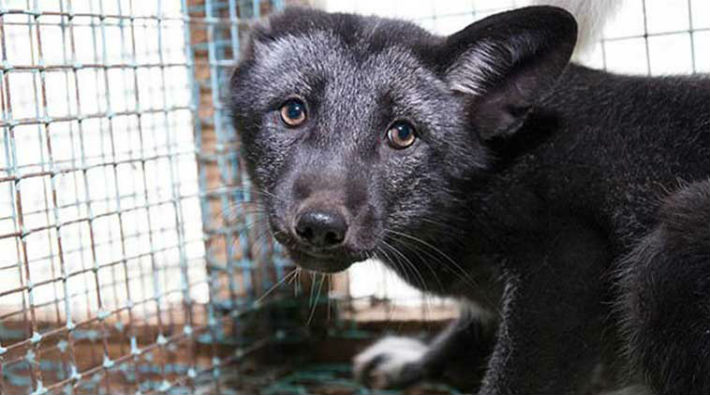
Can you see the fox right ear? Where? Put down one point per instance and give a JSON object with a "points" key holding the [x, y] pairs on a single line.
{"points": [[507, 62]]}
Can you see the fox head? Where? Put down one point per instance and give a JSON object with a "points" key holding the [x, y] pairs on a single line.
{"points": [[366, 135]]}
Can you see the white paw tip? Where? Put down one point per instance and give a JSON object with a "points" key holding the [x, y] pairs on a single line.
{"points": [[396, 351]]}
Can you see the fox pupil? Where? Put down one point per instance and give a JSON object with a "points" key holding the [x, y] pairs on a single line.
{"points": [[404, 132], [294, 110]]}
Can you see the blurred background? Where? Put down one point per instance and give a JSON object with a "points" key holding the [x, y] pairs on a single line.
{"points": [[133, 257]]}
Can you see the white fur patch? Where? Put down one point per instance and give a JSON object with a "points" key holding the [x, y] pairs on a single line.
{"points": [[397, 353], [630, 390], [476, 67], [591, 16]]}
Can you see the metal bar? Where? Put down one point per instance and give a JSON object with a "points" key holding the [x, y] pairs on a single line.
{"points": [[30, 323], [212, 320]]}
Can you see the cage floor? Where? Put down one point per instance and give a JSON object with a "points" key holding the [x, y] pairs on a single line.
{"points": [[315, 379]]}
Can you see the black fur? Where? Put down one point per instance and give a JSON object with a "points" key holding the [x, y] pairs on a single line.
{"points": [[666, 286], [534, 188]]}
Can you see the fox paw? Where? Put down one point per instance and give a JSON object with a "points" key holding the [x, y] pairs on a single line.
{"points": [[392, 362]]}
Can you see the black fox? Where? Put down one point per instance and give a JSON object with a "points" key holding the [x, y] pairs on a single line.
{"points": [[571, 205]]}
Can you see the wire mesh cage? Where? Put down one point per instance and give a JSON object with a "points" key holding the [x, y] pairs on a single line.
{"points": [[132, 254], [125, 255]]}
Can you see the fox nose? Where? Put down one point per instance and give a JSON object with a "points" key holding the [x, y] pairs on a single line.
{"points": [[321, 228]]}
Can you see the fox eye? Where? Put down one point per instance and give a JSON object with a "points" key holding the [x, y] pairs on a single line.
{"points": [[293, 112], [401, 135]]}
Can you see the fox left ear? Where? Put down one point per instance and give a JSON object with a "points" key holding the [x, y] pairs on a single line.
{"points": [[507, 62]]}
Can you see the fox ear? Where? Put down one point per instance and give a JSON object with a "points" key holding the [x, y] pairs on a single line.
{"points": [[505, 63]]}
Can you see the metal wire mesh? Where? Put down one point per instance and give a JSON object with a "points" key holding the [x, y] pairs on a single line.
{"points": [[119, 272], [644, 37]]}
